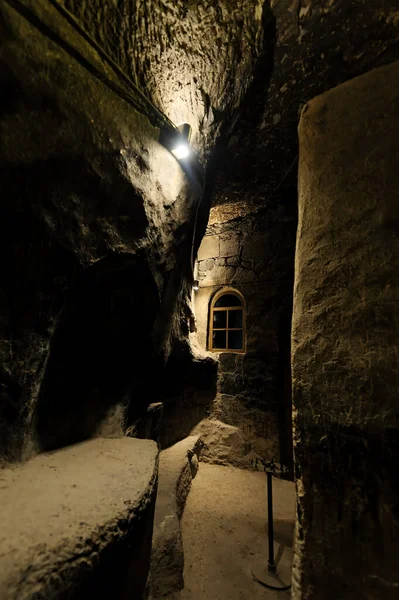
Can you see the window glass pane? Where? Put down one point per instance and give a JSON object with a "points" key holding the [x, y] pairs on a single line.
{"points": [[235, 318], [219, 340], [228, 300], [235, 340], [219, 319]]}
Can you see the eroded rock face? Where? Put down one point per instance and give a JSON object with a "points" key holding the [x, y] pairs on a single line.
{"points": [[83, 177], [97, 218], [195, 59], [199, 59], [317, 45], [199, 66], [345, 329], [96, 230]]}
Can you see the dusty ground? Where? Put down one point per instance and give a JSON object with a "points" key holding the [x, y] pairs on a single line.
{"points": [[224, 533]]}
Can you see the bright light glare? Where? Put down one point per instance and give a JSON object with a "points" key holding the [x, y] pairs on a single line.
{"points": [[181, 151]]}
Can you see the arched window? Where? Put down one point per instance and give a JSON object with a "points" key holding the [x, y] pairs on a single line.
{"points": [[227, 322]]}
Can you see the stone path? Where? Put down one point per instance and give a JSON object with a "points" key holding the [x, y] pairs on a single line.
{"points": [[224, 533]]}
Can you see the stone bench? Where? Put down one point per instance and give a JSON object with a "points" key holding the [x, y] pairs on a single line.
{"points": [[78, 522], [177, 467]]}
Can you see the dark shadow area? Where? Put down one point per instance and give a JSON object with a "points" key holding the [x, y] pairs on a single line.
{"points": [[250, 114], [189, 387], [101, 353], [122, 570], [54, 214], [285, 388]]}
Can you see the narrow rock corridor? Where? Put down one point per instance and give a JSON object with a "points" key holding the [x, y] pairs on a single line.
{"points": [[199, 234], [224, 533]]}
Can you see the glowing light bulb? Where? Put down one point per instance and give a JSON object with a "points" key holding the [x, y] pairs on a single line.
{"points": [[181, 151]]}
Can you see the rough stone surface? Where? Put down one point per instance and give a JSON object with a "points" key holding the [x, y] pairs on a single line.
{"points": [[149, 426], [78, 522], [213, 64], [189, 388], [345, 330], [197, 59], [252, 62], [97, 230], [226, 444], [209, 248], [97, 219], [253, 390], [229, 246], [312, 45], [177, 467], [224, 533]]}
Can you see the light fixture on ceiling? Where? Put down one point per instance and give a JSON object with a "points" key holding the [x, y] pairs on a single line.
{"points": [[182, 148], [177, 142], [181, 151]]}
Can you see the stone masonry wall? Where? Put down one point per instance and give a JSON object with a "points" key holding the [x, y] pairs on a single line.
{"points": [[247, 254]]}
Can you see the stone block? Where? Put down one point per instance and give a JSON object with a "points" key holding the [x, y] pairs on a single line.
{"points": [[239, 359], [229, 445], [177, 467], [254, 366], [77, 522], [209, 247], [206, 265], [233, 261], [246, 275], [229, 246], [254, 246], [231, 410], [227, 362], [220, 262], [229, 383], [219, 276]]}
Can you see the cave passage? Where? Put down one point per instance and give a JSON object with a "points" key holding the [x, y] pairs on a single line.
{"points": [[199, 240]]}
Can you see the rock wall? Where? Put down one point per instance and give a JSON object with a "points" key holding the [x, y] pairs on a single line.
{"points": [[245, 250], [345, 335], [194, 59], [317, 45], [96, 231]]}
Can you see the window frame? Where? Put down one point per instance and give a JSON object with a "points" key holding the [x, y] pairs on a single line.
{"points": [[211, 329]]}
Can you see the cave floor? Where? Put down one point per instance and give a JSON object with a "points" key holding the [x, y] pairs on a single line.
{"points": [[224, 533]]}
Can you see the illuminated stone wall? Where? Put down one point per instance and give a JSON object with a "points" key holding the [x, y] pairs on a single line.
{"points": [[345, 335], [95, 285], [248, 252]]}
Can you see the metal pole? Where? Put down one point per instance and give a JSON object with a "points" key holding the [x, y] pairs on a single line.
{"points": [[277, 577], [271, 565]]}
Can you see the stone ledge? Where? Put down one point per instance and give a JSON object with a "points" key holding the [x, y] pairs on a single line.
{"points": [[226, 444], [177, 467], [78, 521]]}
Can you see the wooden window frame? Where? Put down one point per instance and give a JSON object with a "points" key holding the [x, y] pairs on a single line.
{"points": [[212, 309]]}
